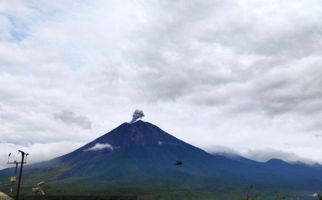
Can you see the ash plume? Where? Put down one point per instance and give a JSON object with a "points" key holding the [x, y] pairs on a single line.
{"points": [[137, 115]]}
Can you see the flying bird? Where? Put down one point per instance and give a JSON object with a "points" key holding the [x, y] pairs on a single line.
{"points": [[38, 189], [178, 162]]}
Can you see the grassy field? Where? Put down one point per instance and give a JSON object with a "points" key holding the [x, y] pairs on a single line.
{"points": [[161, 192], [78, 188]]}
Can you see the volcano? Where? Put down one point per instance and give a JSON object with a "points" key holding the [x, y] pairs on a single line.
{"points": [[140, 158], [137, 151]]}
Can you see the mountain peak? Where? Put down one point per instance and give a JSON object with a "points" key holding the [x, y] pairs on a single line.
{"points": [[139, 133], [138, 121]]}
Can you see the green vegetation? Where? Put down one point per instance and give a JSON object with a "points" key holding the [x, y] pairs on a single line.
{"points": [[188, 189], [67, 189]]}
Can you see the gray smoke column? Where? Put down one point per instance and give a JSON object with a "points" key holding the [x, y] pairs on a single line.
{"points": [[137, 115]]}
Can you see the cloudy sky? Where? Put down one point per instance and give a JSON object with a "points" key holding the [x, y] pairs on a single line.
{"points": [[241, 76]]}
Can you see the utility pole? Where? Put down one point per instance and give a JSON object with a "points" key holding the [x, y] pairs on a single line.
{"points": [[23, 155], [248, 191], [13, 179]]}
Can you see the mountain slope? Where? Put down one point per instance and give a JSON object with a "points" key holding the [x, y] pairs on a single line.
{"points": [[141, 148]]}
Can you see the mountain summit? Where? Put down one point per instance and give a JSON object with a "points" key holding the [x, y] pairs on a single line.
{"points": [[135, 134]]}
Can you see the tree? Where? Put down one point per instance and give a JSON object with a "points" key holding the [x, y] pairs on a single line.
{"points": [[319, 196]]}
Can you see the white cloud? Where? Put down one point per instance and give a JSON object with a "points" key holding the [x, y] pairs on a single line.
{"points": [[264, 155], [99, 146], [37, 151]]}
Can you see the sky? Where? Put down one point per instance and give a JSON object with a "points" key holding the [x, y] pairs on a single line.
{"points": [[233, 76]]}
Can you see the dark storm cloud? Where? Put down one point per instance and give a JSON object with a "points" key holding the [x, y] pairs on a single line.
{"points": [[69, 117]]}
